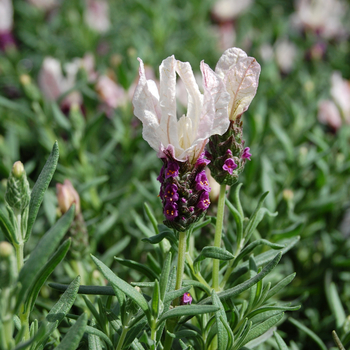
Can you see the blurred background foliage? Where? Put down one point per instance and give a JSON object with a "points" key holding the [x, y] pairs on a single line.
{"points": [[301, 159]]}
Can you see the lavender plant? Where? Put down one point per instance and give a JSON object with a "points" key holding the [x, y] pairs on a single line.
{"points": [[192, 303]]}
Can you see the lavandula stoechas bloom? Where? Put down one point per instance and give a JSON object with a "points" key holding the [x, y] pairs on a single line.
{"points": [[180, 142], [227, 153]]}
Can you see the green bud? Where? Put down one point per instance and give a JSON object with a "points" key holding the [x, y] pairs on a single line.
{"points": [[7, 265], [17, 192]]}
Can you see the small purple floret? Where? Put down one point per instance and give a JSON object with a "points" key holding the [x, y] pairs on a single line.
{"points": [[202, 161], [170, 211], [186, 298], [172, 170], [246, 154], [204, 201], [229, 152], [183, 200], [171, 194], [160, 177], [202, 182], [229, 165]]}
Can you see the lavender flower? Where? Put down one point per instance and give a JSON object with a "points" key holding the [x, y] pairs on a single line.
{"points": [[186, 299]]}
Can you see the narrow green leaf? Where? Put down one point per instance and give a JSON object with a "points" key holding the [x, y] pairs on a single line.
{"points": [[98, 333], [334, 300], [170, 296], [155, 303], [59, 310], [280, 342], [280, 285], [188, 310], [46, 271], [238, 218], [213, 253], [169, 235], [40, 187], [309, 332], [221, 330], [237, 201], [93, 310], [273, 308], [26, 344], [164, 277], [248, 249], [94, 342], [7, 228], [190, 333], [151, 217], [134, 332], [123, 286], [108, 256], [41, 254], [231, 337], [60, 118], [197, 284], [144, 270], [72, 338], [263, 327], [232, 292]]}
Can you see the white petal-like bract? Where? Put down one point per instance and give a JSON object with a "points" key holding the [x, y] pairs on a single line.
{"points": [[240, 74]]}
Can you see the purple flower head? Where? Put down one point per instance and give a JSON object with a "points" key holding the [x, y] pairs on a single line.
{"points": [[202, 182], [160, 177], [229, 165], [204, 201], [172, 170], [171, 194], [170, 211], [202, 161], [186, 299], [246, 153]]}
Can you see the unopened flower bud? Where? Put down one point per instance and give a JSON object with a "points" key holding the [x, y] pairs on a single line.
{"points": [[6, 249], [17, 192], [7, 265], [25, 79], [66, 196], [288, 195]]}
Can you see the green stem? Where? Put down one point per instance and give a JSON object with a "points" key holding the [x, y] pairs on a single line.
{"points": [[154, 335], [218, 233], [171, 323], [198, 275], [124, 333], [19, 255], [180, 260]]}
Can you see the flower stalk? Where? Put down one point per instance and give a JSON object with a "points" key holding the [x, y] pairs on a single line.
{"points": [[218, 234]]}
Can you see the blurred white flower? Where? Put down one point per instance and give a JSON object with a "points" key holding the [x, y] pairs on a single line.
{"points": [[206, 113], [6, 16], [323, 17], [96, 15], [340, 92], [110, 93], [226, 10], [266, 52], [240, 75], [285, 54], [328, 114]]}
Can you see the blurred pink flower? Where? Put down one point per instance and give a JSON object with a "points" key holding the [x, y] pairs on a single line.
{"points": [[340, 92], [112, 94], [66, 196], [323, 17], [328, 114], [333, 113], [6, 24], [96, 15], [53, 83]]}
